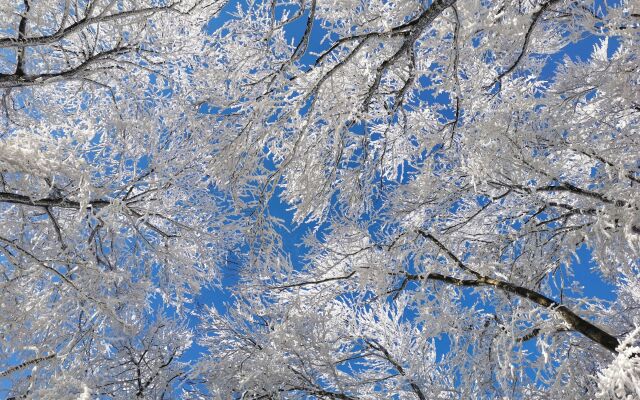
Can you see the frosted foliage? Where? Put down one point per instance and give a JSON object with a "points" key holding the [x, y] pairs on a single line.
{"points": [[346, 348], [332, 199], [105, 208], [621, 379], [452, 159]]}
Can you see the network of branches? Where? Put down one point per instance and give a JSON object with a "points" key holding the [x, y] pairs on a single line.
{"points": [[320, 199]]}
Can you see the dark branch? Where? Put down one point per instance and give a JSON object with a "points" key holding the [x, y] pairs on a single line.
{"points": [[22, 34], [579, 324], [414, 386], [337, 278], [46, 202], [527, 41], [26, 364]]}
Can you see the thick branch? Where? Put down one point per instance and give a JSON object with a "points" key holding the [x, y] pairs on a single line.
{"points": [[15, 198], [428, 16], [301, 48], [18, 80], [576, 322], [22, 33], [570, 188]]}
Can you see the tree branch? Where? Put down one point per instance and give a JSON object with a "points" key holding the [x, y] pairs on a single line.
{"points": [[26, 364], [414, 386], [579, 324], [337, 278], [527, 40], [14, 198]]}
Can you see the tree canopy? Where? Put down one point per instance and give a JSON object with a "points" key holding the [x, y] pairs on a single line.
{"points": [[323, 199]]}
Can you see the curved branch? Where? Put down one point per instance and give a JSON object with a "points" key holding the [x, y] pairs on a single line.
{"points": [[527, 41], [576, 322]]}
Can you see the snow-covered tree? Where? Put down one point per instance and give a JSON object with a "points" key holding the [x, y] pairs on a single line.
{"points": [[105, 205], [450, 160]]}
